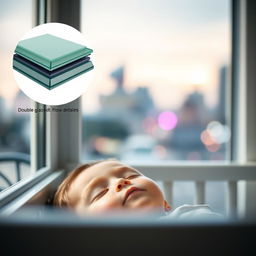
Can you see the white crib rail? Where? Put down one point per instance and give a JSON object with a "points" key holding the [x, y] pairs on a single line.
{"points": [[232, 198], [200, 192], [168, 191], [231, 173]]}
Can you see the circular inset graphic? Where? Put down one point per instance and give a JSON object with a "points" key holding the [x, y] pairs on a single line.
{"points": [[52, 64]]}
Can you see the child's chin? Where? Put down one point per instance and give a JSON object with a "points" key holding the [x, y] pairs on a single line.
{"points": [[144, 204], [135, 213]]}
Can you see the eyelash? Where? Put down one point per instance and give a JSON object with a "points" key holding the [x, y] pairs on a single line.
{"points": [[106, 190], [132, 176], [100, 195]]}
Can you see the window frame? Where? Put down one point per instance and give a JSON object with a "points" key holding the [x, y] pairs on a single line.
{"points": [[64, 152], [60, 157], [42, 147]]}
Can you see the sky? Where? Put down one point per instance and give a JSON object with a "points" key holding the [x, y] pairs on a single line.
{"points": [[15, 20], [165, 45]]}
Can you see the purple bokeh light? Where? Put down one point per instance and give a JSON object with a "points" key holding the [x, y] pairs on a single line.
{"points": [[167, 120]]}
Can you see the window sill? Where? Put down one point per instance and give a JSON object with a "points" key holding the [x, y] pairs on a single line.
{"points": [[24, 191]]}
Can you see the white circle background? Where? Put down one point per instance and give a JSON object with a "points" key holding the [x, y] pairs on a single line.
{"points": [[66, 92]]}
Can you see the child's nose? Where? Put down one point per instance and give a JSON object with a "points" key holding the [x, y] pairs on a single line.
{"points": [[122, 183]]}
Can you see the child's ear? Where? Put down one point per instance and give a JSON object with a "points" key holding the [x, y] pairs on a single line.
{"points": [[167, 207]]}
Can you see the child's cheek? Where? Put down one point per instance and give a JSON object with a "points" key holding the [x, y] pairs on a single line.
{"points": [[148, 184], [153, 189]]}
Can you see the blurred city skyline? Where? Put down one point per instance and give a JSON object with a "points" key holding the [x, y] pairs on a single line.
{"points": [[166, 46]]}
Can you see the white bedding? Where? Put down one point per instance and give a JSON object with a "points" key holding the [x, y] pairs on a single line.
{"points": [[193, 212]]}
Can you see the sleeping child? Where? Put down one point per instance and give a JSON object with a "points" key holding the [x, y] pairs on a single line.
{"points": [[105, 186]]}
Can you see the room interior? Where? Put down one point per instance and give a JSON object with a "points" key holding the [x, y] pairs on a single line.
{"points": [[27, 222]]}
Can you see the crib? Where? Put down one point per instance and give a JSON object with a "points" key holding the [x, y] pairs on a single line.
{"points": [[35, 228], [58, 233], [234, 175]]}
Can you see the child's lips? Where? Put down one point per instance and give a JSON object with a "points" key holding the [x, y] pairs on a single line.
{"points": [[130, 191]]}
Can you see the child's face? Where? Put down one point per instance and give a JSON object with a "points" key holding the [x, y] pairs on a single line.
{"points": [[110, 185]]}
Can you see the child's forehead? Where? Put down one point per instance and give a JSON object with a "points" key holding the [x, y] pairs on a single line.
{"points": [[100, 169], [87, 175]]}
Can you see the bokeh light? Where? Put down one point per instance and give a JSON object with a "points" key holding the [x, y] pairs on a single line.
{"points": [[167, 120], [106, 145], [213, 147], [207, 138], [221, 133], [160, 151], [149, 125], [214, 135], [209, 141]]}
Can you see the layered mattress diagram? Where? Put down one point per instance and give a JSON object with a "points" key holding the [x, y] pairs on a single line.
{"points": [[51, 61]]}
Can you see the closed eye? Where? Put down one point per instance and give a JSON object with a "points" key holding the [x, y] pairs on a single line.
{"points": [[133, 176], [99, 195]]}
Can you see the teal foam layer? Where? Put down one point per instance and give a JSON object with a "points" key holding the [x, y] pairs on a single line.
{"points": [[51, 52]]}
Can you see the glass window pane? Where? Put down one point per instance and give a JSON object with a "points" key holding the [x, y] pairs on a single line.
{"points": [[15, 20], [160, 87]]}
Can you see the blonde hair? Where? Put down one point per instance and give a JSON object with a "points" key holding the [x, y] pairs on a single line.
{"points": [[61, 196]]}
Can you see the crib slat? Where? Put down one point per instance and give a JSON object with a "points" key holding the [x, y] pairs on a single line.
{"points": [[232, 199], [200, 192], [168, 191]]}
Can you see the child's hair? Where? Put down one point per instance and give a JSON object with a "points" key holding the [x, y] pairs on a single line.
{"points": [[61, 196]]}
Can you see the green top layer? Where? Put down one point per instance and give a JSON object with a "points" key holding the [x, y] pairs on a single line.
{"points": [[51, 52]]}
